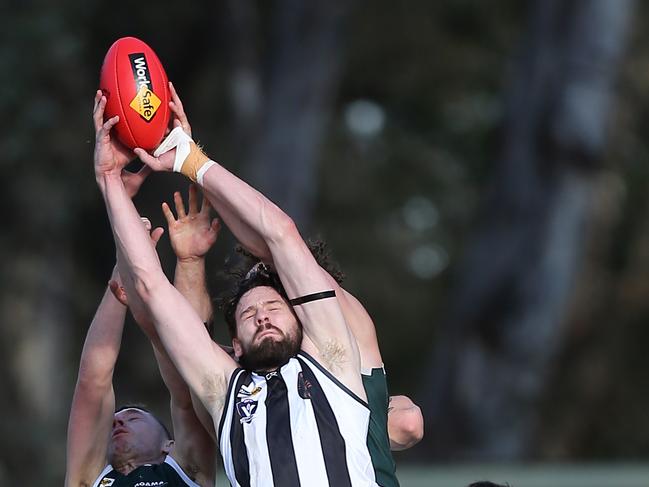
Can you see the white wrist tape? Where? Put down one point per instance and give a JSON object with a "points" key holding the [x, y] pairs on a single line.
{"points": [[179, 140], [201, 172]]}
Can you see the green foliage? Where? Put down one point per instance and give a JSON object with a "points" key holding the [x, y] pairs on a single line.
{"points": [[396, 207]]}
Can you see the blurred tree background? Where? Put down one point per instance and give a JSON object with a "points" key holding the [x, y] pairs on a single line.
{"points": [[478, 169]]}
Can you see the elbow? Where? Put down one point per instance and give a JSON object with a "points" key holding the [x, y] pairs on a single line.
{"points": [[405, 427], [91, 380], [278, 226], [147, 283], [413, 427]]}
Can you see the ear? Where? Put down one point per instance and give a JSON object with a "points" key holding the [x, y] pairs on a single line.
{"points": [[238, 349], [168, 446]]}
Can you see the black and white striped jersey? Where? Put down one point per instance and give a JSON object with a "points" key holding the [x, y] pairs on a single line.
{"points": [[297, 426]]}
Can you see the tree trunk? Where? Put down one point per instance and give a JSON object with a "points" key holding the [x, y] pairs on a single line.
{"points": [[295, 85], [507, 314]]}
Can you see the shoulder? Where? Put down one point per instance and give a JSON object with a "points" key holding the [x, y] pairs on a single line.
{"points": [[329, 383], [107, 474], [171, 463]]}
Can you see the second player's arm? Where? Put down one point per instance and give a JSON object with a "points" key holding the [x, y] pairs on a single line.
{"points": [[93, 404], [405, 423], [192, 233], [194, 449], [203, 365]]}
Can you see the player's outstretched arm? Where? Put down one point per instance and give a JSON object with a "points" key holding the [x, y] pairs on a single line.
{"points": [[203, 366], [246, 236], [194, 449], [332, 342], [93, 404], [192, 233], [405, 423]]}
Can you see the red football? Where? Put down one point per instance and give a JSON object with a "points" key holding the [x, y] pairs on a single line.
{"points": [[136, 88]]}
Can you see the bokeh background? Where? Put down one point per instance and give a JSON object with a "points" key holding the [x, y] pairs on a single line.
{"points": [[478, 168]]}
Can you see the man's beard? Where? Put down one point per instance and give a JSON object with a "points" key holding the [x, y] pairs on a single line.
{"points": [[271, 353]]}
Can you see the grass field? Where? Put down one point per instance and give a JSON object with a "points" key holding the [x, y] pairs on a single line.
{"points": [[533, 475]]}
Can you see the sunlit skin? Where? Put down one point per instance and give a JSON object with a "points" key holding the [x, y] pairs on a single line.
{"points": [[136, 438], [262, 314]]}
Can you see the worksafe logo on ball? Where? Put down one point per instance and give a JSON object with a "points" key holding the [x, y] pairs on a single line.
{"points": [[146, 103]]}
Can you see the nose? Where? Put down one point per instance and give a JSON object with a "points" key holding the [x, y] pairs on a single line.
{"points": [[117, 422], [262, 318]]}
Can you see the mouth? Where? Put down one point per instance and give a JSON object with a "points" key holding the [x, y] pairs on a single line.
{"points": [[118, 432], [270, 331]]}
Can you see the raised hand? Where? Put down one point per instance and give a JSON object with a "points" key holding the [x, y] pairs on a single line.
{"points": [[193, 233], [110, 155], [165, 161], [176, 106]]}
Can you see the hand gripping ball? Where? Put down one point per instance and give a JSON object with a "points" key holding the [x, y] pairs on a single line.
{"points": [[136, 88]]}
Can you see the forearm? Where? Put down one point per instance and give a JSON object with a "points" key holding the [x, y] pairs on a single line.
{"points": [[194, 449], [170, 376], [102, 343], [176, 385], [190, 418], [178, 390], [249, 238], [131, 238], [136, 305], [93, 403], [190, 280], [252, 218], [298, 270]]}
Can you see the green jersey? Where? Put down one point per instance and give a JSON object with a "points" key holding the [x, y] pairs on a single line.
{"points": [[378, 442], [166, 474]]}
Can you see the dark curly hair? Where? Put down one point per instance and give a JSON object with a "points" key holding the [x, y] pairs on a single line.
{"points": [[251, 273]]}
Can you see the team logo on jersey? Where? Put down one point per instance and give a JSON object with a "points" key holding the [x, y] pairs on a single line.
{"points": [[106, 482], [246, 409], [303, 386]]}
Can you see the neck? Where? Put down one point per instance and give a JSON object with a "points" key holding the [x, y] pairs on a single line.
{"points": [[127, 465]]}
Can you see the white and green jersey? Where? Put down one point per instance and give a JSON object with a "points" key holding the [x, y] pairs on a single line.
{"points": [[166, 474]]}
